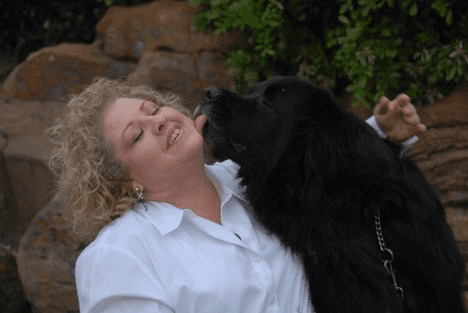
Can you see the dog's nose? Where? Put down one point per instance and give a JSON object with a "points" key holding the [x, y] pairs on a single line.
{"points": [[212, 93]]}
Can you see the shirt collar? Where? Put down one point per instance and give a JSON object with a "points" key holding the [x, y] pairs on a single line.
{"points": [[223, 176], [167, 217]]}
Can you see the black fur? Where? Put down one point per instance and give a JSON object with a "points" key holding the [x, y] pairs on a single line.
{"points": [[315, 176]]}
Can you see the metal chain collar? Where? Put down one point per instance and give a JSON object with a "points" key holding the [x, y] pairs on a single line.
{"points": [[386, 255]]}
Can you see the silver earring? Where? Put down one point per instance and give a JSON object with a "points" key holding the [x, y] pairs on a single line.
{"points": [[141, 196]]}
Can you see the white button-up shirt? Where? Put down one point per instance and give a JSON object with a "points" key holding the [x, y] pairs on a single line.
{"points": [[166, 259]]}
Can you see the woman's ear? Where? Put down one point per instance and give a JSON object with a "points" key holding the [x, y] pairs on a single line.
{"points": [[136, 185]]}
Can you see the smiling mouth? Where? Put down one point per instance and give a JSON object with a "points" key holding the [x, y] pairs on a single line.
{"points": [[173, 137]]}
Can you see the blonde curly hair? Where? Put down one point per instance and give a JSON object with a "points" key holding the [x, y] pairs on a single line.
{"points": [[96, 185]]}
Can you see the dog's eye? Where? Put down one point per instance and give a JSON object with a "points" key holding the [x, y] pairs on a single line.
{"points": [[265, 103]]}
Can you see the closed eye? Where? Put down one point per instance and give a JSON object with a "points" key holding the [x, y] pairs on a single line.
{"points": [[138, 137], [265, 103], [140, 134], [156, 110]]}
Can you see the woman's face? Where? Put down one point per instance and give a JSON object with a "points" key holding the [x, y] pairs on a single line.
{"points": [[159, 144]]}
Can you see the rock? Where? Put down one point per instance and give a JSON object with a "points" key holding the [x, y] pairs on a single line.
{"points": [[46, 261], [128, 31], [29, 147], [8, 207], [442, 155], [26, 158], [442, 152], [206, 41], [458, 219], [160, 25], [450, 111], [52, 73], [25, 117], [12, 298], [162, 69], [212, 69], [32, 183], [182, 73], [7, 64]]}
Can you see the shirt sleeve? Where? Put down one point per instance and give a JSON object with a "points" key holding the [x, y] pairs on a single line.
{"points": [[372, 121], [112, 279]]}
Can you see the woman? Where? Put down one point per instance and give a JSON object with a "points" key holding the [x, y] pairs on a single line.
{"points": [[176, 235]]}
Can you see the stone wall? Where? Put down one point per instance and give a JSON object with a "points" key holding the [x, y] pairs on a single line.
{"points": [[154, 44], [442, 154]]}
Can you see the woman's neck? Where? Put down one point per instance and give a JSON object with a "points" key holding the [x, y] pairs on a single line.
{"points": [[194, 191]]}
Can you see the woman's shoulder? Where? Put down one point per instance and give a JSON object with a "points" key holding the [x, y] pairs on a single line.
{"points": [[124, 233]]}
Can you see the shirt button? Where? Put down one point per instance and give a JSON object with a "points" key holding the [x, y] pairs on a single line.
{"points": [[272, 300]]}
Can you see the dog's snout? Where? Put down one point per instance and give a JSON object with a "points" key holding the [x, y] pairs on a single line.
{"points": [[212, 93]]}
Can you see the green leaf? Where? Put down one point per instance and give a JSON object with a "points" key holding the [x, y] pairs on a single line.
{"points": [[451, 74], [245, 11], [348, 5], [449, 18], [362, 82], [213, 14], [433, 78], [354, 33], [343, 19], [200, 22], [365, 11], [391, 53], [405, 4], [440, 6], [413, 10], [194, 2], [386, 32]]}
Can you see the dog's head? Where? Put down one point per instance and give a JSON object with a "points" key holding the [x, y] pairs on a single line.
{"points": [[255, 129]]}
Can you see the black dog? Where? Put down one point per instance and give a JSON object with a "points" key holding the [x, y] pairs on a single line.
{"points": [[340, 197]]}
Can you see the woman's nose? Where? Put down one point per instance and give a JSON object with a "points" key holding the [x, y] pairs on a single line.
{"points": [[156, 123], [158, 128]]}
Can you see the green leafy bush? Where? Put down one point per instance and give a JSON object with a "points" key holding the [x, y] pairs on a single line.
{"points": [[368, 48]]}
